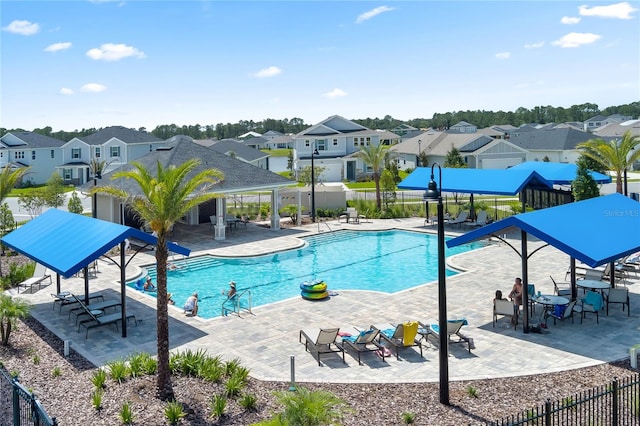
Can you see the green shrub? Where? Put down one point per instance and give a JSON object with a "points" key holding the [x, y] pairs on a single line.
{"points": [[408, 417], [99, 378], [126, 414], [117, 370], [472, 392], [231, 366], [96, 399], [309, 408], [174, 412], [218, 404], [56, 372], [234, 385], [249, 401], [211, 369], [142, 363]]}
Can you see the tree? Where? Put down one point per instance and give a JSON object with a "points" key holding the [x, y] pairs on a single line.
{"points": [[388, 186], [54, 191], [375, 157], [616, 155], [454, 159], [290, 160], [8, 180], [7, 224], [75, 205], [584, 186], [165, 197], [33, 202], [10, 310], [304, 175]]}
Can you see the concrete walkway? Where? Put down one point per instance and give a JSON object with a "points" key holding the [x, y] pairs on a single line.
{"points": [[265, 340]]}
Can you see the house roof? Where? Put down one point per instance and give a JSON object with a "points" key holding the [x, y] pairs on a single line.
{"points": [[333, 125], [272, 134], [243, 151], [31, 140], [558, 139], [239, 176], [618, 129], [67, 242], [121, 133], [594, 231]]}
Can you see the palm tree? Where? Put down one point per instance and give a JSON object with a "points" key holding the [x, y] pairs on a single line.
{"points": [[374, 156], [10, 310], [616, 155], [8, 180], [166, 197]]}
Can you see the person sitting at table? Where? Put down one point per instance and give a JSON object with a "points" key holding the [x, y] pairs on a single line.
{"points": [[148, 285], [516, 296]]}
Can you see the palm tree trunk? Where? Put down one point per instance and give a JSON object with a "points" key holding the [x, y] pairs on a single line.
{"points": [[376, 179], [619, 180], [165, 388]]}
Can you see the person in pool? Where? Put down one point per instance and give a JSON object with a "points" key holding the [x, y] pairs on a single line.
{"points": [[232, 290], [148, 285], [191, 305]]}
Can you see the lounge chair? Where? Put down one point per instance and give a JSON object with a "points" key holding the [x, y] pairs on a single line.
{"points": [[352, 215], [564, 289], [481, 219], [323, 341], [505, 308], [80, 311], [401, 336], [39, 275], [67, 299], [100, 320], [618, 295], [453, 332], [363, 341], [561, 314], [462, 217]]}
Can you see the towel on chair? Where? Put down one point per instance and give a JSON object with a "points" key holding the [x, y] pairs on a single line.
{"points": [[409, 333]]}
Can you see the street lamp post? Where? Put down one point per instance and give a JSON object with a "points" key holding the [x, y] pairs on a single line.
{"points": [[434, 192], [314, 152], [94, 207], [419, 151]]}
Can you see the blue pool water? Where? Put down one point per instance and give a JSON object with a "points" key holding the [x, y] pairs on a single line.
{"points": [[387, 261]]}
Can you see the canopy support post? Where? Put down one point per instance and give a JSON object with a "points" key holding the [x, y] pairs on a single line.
{"points": [[525, 283], [123, 289]]}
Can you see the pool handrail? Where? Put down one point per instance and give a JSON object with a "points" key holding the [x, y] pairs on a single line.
{"points": [[236, 303]]}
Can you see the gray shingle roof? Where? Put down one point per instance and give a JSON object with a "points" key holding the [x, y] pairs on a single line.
{"points": [[238, 175], [121, 133], [243, 151], [36, 140], [554, 139]]}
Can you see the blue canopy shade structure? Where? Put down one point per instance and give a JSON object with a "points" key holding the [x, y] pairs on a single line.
{"points": [[66, 242], [595, 231], [476, 181], [558, 173]]}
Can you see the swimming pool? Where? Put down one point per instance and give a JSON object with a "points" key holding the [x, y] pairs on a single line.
{"points": [[387, 261]]}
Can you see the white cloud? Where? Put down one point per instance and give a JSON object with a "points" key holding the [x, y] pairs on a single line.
{"points": [[93, 88], [503, 55], [576, 39], [618, 11], [537, 45], [66, 91], [268, 72], [373, 12], [22, 28], [335, 93], [570, 20], [56, 47], [114, 52]]}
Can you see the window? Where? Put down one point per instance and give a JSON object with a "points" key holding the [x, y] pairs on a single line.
{"points": [[33, 155], [355, 141], [18, 155], [150, 147], [368, 141], [321, 144], [98, 152], [75, 153], [335, 142], [361, 141], [115, 151], [66, 174], [53, 154], [307, 144]]}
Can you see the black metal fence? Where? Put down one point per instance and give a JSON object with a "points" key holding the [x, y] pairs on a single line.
{"points": [[18, 406], [617, 403]]}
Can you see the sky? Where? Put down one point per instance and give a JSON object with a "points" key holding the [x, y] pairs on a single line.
{"points": [[75, 65]]}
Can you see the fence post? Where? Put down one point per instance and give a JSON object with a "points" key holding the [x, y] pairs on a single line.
{"points": [[614, 395], [547, 412], [16, 402]]}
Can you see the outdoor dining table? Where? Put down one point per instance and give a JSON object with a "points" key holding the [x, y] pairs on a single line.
{"points": [[596, 285], [549, 301]]}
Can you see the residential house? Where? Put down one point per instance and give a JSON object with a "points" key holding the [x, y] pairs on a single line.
{"points": [[599, 120], [236, 149], [115, 145], [463, 127], [27, 149], [334, 139], [618, 129]]}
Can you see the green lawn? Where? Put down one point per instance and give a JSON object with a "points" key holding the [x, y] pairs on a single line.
{"points": [[277, 152], [16, 192]]}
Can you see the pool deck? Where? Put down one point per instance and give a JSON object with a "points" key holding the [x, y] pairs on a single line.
{"points": [[265, 339]]}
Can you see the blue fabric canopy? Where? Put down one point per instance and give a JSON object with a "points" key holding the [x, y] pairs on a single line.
{"points": [[558, 173], [476, 181], [67, 242], [594, 231]]}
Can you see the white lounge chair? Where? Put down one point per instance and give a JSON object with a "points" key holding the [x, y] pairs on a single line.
{"points": [[39, 275], [505, 308]]}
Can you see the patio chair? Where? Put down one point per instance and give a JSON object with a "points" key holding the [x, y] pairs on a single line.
{"points": [[80, 311], [558, 313], [505, 308], [364, 341], [39, 275], [453, 332], [460, 219], [618, 295], [564, 289], [591, 303], [481, 219], [322, 342], [352, 215], [100, 320], [401, 336], [593, 274], [68, 299]]}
